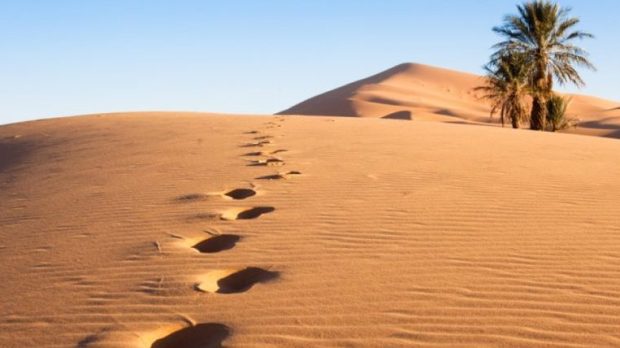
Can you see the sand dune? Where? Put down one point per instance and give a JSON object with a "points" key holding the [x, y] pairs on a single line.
{"points": [[156, 230], [422, 92]]}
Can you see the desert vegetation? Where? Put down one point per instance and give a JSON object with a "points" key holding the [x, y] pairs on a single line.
{"points": [[538, 48]]}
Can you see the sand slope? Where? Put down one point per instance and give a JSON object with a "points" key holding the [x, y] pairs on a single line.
{"points": [[422, 92], [399, 234]]}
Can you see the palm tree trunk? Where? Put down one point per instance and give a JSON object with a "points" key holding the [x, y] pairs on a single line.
{"points": [[535, 123], [538, 117], [539, 114]]}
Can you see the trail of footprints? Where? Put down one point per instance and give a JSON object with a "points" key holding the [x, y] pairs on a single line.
{"points": [[229, 281]]}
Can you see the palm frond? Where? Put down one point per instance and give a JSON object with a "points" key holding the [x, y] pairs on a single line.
{"points": [[543, 34]]}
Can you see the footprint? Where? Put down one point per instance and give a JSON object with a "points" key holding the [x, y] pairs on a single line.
{"points": [[251, 132], [92, 339], [232, 282], [88, 341], [279, 176], [241, 193], [269, 162], [258, 143], [272, 124], [236, 194], [252, 154], [217, 243], [209, 335], [253, 213], [263, 137], [264, 153]]}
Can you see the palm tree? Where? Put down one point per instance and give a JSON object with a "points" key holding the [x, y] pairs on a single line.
{"points": [[545, 34], [506, 87]]}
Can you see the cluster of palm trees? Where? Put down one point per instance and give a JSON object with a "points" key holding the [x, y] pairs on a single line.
{"points": [[538, 48]]}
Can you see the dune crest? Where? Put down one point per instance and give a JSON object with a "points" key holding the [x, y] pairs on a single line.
{"points": [[421, 92]]}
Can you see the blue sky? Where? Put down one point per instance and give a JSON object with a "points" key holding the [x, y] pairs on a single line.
{"points": [[66, 57]]}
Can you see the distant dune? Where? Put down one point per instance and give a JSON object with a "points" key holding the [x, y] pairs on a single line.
{"points": [[168, 230], [422, 92]]}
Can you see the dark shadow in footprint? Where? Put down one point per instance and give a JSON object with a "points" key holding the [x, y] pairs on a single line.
{"points": [[271, 177], [87, 341], [251, 132], [217, 243], [192, 197], [210, 335], [93, 338], [243, 280], [278, 176], [241, 193], [263, 153], [257, 144], [263, 137], [254, 213], [267, 163], [252, 154]]}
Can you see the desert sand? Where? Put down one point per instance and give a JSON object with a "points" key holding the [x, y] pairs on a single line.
{"points": [[427, 93], [198, 230]]}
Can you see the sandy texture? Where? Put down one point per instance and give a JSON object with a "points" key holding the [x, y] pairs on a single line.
{"points": [[366, 233], [422, 92]]}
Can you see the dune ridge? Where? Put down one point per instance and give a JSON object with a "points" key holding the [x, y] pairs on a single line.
{"points": [[422, 92]]}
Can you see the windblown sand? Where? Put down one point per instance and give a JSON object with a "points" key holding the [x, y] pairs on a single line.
{"points": [[191, 230]]}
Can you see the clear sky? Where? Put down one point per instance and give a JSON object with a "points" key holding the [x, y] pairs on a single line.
{"points": [[67, 57]]}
